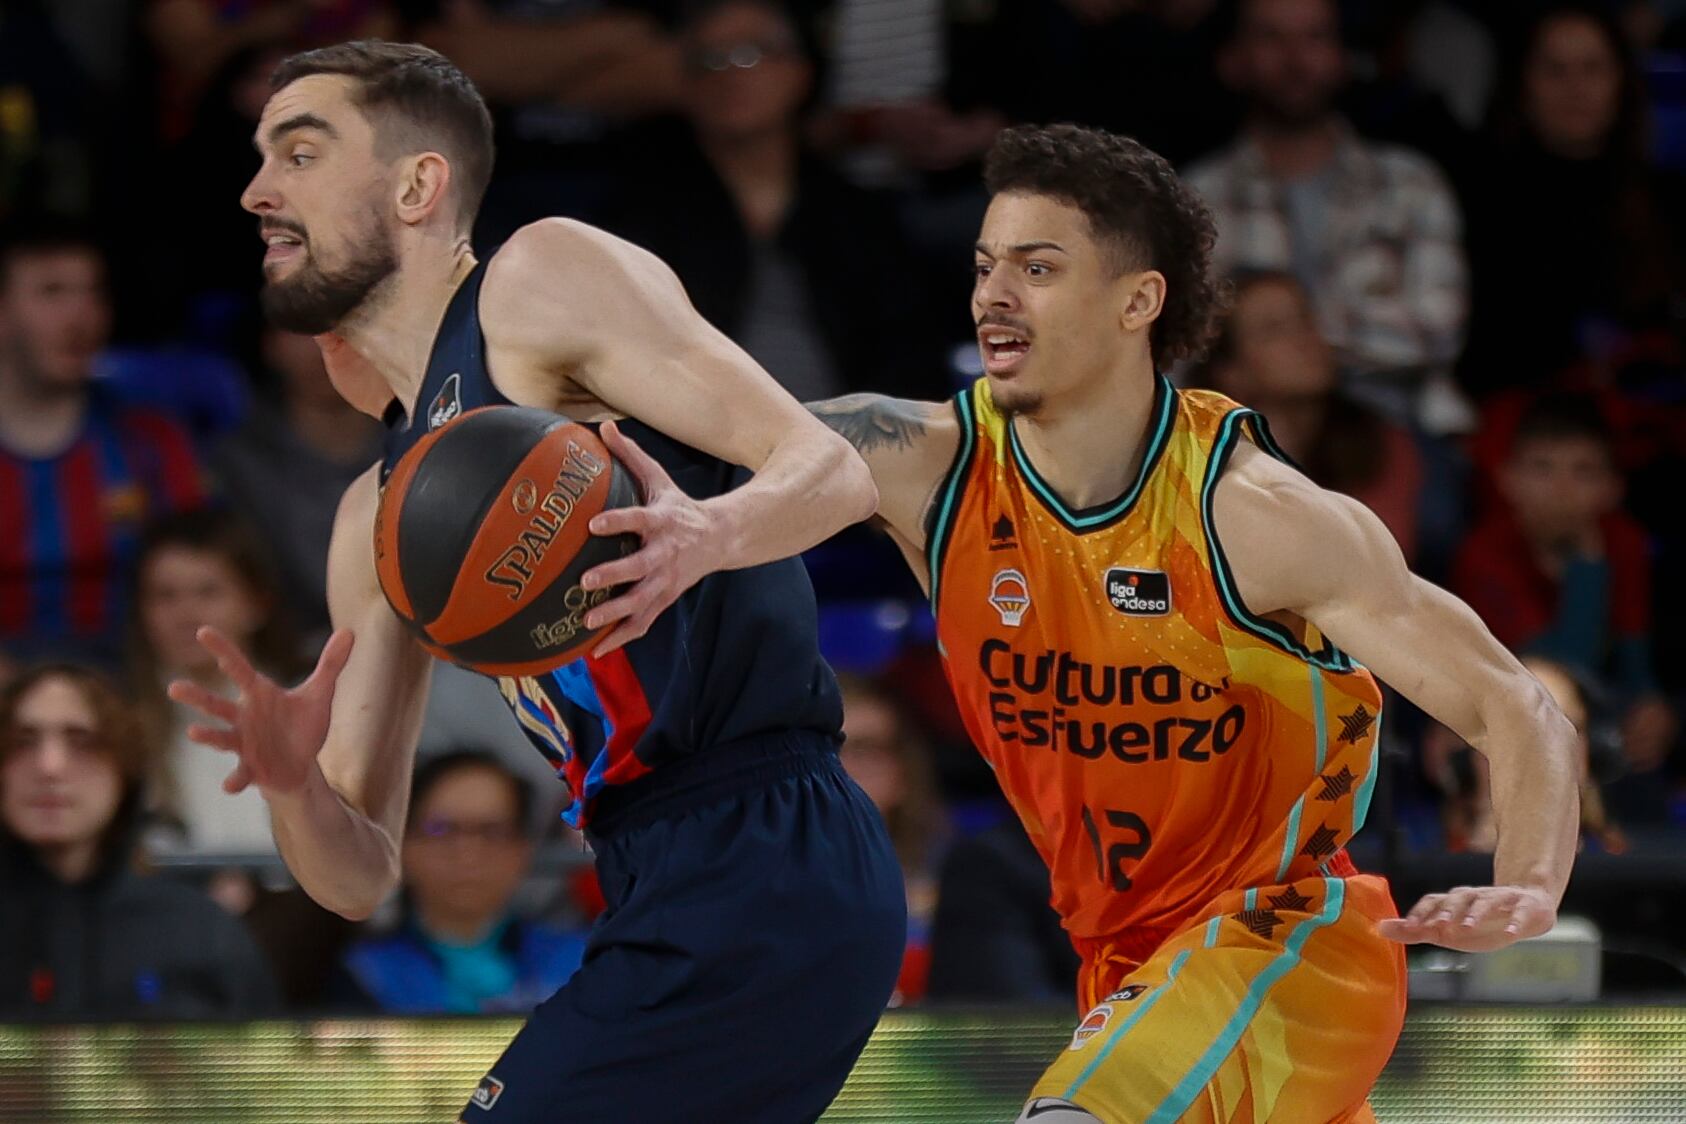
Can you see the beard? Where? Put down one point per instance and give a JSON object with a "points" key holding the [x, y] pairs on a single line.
{"points": [[315, 300], [1015, 401]]}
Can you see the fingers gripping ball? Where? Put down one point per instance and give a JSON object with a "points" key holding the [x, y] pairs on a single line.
{"points": [[481, 538]]}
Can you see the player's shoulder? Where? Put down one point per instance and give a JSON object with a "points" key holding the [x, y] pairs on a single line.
{"points": [[910, 446], [360, 501], [557, 247], [878, 425], [560, 273], [1260, 496], [1287, 539]]}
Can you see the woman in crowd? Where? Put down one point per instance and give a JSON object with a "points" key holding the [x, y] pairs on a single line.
{"points": [[82, 935], [196, 569]]}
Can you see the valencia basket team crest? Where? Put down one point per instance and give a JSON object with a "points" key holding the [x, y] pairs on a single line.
{"points": [[1010, 594]]}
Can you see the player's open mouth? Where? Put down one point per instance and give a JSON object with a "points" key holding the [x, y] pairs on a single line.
{"points": [[1003, 349], [280, 246]]}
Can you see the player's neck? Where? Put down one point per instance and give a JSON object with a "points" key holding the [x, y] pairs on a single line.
{"points": [[396, 332], [1089, 446]]}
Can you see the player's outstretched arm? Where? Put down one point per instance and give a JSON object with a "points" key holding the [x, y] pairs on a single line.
{"points": [[908, 446], [613, 319], [331, 756], [1300, 550]]}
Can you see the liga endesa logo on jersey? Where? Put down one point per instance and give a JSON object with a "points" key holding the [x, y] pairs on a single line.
{"points": [[1139, 593]]}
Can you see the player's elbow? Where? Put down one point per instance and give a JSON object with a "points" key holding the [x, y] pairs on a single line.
{"points": [[850, 480]]}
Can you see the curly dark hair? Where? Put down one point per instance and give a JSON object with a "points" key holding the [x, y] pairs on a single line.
{"points": [[1134, 201]]}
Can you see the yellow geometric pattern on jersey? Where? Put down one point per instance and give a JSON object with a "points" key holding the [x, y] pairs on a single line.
{"points": [[1161, 743]]}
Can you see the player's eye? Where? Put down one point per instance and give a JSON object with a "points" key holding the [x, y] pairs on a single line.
{"points": [[980, 270], [300, 159], [1038, 269]]}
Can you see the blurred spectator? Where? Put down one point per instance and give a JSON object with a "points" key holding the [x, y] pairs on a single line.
{"points": [[560, 76], [196, 569], [81, 934], [45, 163], [802, 269], [288, 468], [1424, 71], [459, 949], [1448, 52], [1576, 242], [996, 938], [1461, 774], [216, 272], [887, 105], [1271, 356], [885, 757], [1146, 68], [1371, 230], [194, 39], [79, 473], [1561, 572]]}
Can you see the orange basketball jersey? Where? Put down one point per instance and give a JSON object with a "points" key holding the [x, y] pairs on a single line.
{"points": [[1160, 742]]}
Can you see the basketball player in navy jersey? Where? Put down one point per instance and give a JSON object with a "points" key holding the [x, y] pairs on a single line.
{"points": [[756, 918]]}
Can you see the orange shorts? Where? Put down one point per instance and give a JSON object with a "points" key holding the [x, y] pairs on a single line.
{"points": [[1278, 1004]]}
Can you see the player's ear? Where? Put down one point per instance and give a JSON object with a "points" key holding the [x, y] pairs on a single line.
{"points": [[1144, 299], [424, 181]]}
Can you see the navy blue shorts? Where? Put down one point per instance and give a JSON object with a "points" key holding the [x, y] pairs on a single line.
{"points": [[755, 929]]}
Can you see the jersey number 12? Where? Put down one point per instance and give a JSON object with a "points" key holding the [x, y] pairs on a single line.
{"points": [[1110, 863]]}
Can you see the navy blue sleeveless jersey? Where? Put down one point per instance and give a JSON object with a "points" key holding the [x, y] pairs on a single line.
{"points": [[736, 658]]}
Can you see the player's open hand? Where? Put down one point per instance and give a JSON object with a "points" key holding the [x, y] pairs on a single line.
{"points": [[678, 536], [275, 733], [1475, 918]]}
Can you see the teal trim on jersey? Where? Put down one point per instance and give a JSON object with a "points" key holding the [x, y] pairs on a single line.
{"points": [[1319, 717], [1144, 1005], [942, 523], [1195, 1081], [1367, 786], [1212, 930], [1322, 735], [1329, 658], [1250, 900], [1091, 519]]}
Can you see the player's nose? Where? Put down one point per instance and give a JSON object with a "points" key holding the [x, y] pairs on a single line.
{"points": [[995, 291], [259, 198]]}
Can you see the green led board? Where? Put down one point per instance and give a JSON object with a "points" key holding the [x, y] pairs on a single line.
{"points": [[1570, 1065]]}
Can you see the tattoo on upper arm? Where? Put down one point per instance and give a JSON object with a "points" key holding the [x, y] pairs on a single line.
{"points": [[872, 421]]}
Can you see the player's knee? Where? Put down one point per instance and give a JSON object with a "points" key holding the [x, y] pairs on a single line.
{"points": [[1050, 1110]]}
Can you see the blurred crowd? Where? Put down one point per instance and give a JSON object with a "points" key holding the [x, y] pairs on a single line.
{"points": [[1456, 236]]}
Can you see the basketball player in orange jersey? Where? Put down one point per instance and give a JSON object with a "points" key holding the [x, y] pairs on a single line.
{"points": [[756, 918], [1162, 637]]}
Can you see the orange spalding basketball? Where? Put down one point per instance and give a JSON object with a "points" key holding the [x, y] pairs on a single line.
{"points": [[482, 536]]}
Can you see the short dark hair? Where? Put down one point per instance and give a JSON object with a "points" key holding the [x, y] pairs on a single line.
{"points": [[1133, 201], [434, 770], [30, 236], [1563, 416], [436, 102]]}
